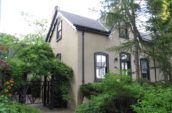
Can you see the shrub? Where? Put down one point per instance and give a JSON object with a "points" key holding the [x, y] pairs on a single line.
{"points": [[119, 94], [6, 106], [156, 99], [115, 94]]}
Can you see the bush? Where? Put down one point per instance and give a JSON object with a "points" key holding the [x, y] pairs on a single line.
{"points": [[157, 99], [6, 106], [119, 94], [115, 94]]}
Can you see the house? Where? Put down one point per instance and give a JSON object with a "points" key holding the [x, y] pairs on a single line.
{"points": [[82, 43]]}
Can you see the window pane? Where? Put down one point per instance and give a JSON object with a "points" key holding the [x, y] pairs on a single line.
{"points": [[144, 67], [125, 63], [98, 60], [103, 61], [59, 26], [101, 66], [123, 56], [59, 31], [100, 73]]}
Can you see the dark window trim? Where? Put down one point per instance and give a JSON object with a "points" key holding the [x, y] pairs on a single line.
{"points": [[57, 38], [59, 56], [126, 31], [128, 54], [107, 62], [145, 59]]}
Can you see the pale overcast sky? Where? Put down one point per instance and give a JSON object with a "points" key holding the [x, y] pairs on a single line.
{"points": [[12, 22]]}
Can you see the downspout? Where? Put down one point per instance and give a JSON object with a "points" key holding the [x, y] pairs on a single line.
{"points": [[83, 57], [154, 62]]}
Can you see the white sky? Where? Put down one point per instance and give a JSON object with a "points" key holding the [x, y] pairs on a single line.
{"points": [[12, 22]]}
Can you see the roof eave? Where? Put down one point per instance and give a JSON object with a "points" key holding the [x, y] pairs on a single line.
{"points": [[92, 30], [51, 25]]}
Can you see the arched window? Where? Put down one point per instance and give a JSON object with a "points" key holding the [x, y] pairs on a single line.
{"points": [[125, 63], [101, 65]]}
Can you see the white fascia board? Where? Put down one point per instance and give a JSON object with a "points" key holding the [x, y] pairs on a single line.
{"points": [[64, 18]]}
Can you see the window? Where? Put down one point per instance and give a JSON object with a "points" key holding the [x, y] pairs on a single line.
{"points": [[59, 31], [125, 63], [144, 65], [59, 56], [123, 30], [101, 65]]}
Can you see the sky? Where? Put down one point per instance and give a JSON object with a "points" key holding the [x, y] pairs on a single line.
{"points": [[14, 23]]}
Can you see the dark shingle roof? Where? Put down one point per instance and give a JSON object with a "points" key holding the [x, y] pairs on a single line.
{"points": [[81, 23], [77, 20]]}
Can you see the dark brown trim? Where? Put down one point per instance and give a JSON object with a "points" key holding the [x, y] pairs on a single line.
{"points": [[145, 59], [50, 32], [107, 63], [83, 57], [53, 28], [129, 55], [59, 56]]}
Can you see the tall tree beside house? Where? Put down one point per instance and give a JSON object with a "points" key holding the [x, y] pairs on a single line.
{"points": [[123, 14], [160, 25]]}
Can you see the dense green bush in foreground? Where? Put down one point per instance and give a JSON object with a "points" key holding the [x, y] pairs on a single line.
{"points": [[7, 106], [119, 94]]}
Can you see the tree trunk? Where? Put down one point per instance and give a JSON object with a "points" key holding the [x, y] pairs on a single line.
{"points": [[136, 57]]}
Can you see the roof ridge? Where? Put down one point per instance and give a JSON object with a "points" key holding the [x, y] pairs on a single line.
{"points": [[78, 15]]}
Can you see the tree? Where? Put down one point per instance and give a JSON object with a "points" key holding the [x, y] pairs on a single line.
{"points": [[159, 25], [125, 12]]}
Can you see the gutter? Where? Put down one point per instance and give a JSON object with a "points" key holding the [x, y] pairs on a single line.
{"points": [[83, 57]]}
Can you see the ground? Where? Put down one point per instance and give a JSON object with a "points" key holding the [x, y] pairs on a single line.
{"points": [[47, 110]]}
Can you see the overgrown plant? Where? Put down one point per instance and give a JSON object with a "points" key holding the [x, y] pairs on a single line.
{"points": [[6, 106], [120, 94], [115, 94]]}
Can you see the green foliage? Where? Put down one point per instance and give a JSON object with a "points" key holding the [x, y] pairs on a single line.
{"points": [[33, 56], [96, 104], [90, 89], [119, 94], [115, 94], [157, 99], [61, 77], [6, 106], [36, 58], [160, 24]]}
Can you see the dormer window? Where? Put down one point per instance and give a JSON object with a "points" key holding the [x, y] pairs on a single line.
{"points": [[59, 31], [123, 30]]}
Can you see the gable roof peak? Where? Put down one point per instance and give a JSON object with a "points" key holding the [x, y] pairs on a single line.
{"points": [[84, 22]]}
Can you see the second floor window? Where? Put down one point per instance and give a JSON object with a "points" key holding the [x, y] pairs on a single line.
{"points": [[59, 31], [101, 65], [123, 30]]}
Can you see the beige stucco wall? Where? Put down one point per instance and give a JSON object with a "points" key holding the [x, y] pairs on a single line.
{"points": [[68, 47], [99, 43]]}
